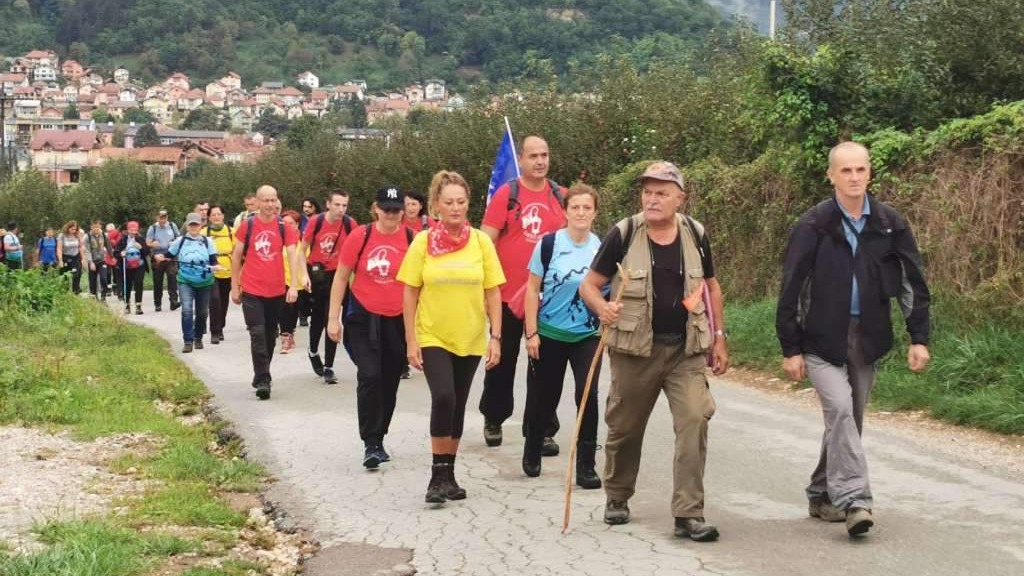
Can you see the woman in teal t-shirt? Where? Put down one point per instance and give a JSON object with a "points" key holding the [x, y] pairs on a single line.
{"points": [[561, 330]]}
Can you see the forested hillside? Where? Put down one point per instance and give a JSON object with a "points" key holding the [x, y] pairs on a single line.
{"points": [[388, 42]]}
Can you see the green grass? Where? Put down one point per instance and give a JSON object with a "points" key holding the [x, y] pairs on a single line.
{"points": [[975, 377], [68, 363]]}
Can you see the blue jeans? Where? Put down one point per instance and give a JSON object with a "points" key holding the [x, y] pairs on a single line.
{"points": [[195, 307]]}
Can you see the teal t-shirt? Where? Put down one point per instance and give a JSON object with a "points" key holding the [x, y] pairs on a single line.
{"points": [[563, 315]]}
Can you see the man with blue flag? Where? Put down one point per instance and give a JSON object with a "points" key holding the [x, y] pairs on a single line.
{"points": [[520, 212]]}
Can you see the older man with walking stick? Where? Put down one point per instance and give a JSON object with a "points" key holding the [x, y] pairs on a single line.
{"points": [[658, 343]]}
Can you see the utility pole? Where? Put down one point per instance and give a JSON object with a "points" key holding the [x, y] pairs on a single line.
{"points": [[6, 164], [771, 18]]}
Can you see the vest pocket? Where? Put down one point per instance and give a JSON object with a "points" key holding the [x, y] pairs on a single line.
{"points": [[698, 331]]}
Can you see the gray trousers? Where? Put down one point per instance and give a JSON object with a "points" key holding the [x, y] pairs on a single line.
{"points": [[841, 476]]}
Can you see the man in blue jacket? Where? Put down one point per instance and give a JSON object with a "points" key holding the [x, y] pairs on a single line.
{"points": [[846, 258]]}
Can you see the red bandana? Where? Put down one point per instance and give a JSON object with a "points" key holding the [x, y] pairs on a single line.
{"points": [[440, 241]]}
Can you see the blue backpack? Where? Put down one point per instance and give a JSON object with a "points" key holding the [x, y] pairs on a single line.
{"points": [[193, 255]]}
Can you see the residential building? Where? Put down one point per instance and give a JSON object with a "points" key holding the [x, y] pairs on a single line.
{"points": [[232, 81], [159, 108], [62, 154], [122, 76], [44, 73], [309, 80], [216, 89], [72, 71], [414, 93], [178, 80], [291, 95], [11, 80], [38, 58], [347, 93], [434, 89]]}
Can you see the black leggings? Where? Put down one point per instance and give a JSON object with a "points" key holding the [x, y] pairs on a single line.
{"points": [[318, 319], [135, 280], [449, 378], [544, 388], [220, 298], [73, 265]]}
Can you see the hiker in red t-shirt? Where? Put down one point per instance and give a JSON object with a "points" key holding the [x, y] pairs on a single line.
{"points": [[520, 212], [373, 316], [258, 283], [324, 236]]}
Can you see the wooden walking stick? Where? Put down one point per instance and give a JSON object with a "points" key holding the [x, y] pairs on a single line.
{"points": [[624, 274]]}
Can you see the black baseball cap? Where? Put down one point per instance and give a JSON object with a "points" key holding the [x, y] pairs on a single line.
{"points": [[390, 197]]}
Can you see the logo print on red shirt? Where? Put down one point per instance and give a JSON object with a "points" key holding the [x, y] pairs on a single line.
{"points": [[263, 244]]}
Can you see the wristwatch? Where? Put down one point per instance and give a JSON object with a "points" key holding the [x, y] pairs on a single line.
{"points": [[723, 334]]}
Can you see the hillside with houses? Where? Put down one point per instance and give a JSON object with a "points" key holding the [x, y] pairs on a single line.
{"points": [[60, 116]]}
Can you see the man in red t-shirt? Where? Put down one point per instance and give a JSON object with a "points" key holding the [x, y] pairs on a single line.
{"points": [[516, 225], [324, 237], [258, 283]]}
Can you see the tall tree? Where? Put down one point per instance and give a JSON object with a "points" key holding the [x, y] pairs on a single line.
{"points": [[146, 136]]}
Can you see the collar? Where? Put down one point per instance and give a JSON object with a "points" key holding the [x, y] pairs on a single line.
{"points": [[866, 211]]}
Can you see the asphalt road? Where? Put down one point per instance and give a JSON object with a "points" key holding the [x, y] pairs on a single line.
{"points": [[935, 515]]}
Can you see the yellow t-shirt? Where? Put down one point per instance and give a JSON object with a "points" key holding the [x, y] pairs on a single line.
{"points": [[451, 313], [224, 240]]}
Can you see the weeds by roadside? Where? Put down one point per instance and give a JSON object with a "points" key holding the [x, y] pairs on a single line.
{"points": [[69, 364], [975, 377]]}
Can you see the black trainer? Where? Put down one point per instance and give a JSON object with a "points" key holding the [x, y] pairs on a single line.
{"points": [[436, 493], [138, 309], [187, 348], [156, 308], [175, 305], [550, 447], [531, 466], [371, 458], [384, 456], [262, 386], [492, 434], [318, 364], [329, 376]]}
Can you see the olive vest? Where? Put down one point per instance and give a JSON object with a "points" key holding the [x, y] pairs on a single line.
{"points": [[633, 332]]}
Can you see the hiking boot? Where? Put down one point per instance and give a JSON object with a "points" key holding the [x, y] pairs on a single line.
{"points": [[199, 343], [138, 309], [858, 521], [695, 529], [175, 305], [436, 493], [586, 476], [371, 458], [156, 308], [127, 308], [317, 363], [287, 342], [329, 377], [531, 466], [186, 348], [384, 456], [452, 490], [825, 510], [550, 447], [214, 339], [616, 512], [303, 321], [262, 386], [492, 434]]}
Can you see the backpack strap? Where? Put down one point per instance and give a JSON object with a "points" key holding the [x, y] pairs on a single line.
{"points": [[547, 250], [626, 228], [248, 237], [409, 235], [366, 239], [346, 223], [697, 230]]}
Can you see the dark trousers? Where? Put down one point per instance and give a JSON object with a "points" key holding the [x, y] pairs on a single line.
{"points": [[116, 276], [378, 349], [134, 280], [220, 298], [73, 265], [289, 317], [318, 319], [99, 279], [544, 389], [449, 378], [498, 401], [261, 318], [305, 304], [160, 270]]}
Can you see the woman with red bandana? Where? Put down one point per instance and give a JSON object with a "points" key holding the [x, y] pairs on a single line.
{"points": [[451, 275]]}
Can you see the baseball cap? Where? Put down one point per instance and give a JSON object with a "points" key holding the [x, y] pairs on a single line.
{"points": [[665, 172], [162, 213], [390, 197], [193, 218]]}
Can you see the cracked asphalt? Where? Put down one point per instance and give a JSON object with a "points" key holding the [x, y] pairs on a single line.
{"points": [[935, 515]]}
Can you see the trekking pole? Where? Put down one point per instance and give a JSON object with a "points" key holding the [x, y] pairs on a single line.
{"points": [[624, 274]]}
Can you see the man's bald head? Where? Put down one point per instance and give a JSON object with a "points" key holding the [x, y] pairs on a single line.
{"points": [[266, 191], [531, 142], [847, 150]]}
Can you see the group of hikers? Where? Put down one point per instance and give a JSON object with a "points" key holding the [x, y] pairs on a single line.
{"points": [[420, 286]]}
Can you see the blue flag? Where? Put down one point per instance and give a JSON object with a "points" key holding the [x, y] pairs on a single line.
{"points": [[506, 165]]}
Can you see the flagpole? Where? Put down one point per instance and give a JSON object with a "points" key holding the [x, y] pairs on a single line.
{"points": [[515, 154]]}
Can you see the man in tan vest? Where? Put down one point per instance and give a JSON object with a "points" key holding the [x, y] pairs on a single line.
{"points": [[657, 339]]}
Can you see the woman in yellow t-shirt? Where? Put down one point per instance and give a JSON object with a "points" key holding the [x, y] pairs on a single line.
{"points": [[224, 239], [451, 275]]}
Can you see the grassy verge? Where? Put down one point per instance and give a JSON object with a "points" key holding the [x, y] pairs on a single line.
{"points": [[70, 364], [976, 374]]}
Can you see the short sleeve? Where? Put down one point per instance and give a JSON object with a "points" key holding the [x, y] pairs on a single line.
{"points": [[291, 235], [240, 231], [609, 254], [211, 246], [536, 267], [411, 271], [174, 248], [496, 215], [350, 248], [493, 276]]}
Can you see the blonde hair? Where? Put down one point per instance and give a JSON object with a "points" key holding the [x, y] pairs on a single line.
{"points": [[439, 181]]}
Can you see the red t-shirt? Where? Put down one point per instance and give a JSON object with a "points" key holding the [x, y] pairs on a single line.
{"points": [[329, 241], [416, 225], [374, 284], [263, 270], [538, 213]]}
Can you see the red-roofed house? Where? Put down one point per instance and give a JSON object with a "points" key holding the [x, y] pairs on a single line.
{"points": [[291, 95], [232, 81], [191, 100], [43, 58], [348, 92], [309, 80], [71, 70], [11, 80], [61, 154], [178, 80]]}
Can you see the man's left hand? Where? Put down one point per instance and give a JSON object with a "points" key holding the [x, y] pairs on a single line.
{"points": [[720, 357], [917, 357]]}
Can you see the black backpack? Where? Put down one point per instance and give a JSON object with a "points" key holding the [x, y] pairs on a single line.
{"points": [[346, 223], [248, 234]]}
